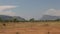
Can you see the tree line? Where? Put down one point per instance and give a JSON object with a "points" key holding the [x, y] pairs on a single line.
{"points": [[30, 20]]}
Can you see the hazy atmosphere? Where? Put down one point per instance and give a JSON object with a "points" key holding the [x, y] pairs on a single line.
{"points": [[30, 8], [29, 16]]}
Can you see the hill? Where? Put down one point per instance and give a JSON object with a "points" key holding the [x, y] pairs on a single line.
{"points": [[49, 17], [5, 17]]}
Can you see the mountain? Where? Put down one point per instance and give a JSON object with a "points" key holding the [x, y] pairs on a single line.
{"points": [[49, 17], [5, 17]]}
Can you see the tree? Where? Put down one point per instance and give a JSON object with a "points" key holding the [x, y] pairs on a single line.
{"points": [[15, 20], [57, 20], [32, 19], [1, 20]]}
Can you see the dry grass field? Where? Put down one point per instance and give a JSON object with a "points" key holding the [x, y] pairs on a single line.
{"points": [[30, 28]]}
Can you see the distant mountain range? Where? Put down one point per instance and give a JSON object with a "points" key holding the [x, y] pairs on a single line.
{"points": [[49, 17], [45, 17], [5, 17]]}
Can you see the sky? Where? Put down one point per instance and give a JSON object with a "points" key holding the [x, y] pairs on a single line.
{"points": [[30, 8]]}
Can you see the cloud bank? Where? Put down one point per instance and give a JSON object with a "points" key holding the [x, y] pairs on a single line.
{"points": [[6, 7], [53, 12], [7, 10]]}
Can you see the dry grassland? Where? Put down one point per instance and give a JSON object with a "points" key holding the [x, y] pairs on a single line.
{"points": [[30, 28]]}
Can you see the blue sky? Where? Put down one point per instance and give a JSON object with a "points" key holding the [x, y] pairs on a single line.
{"points": [[31, 8]]}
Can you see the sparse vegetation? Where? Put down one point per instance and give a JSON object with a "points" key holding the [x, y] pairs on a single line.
{"points": [[30, 28], [17, 32], [30, 20]]}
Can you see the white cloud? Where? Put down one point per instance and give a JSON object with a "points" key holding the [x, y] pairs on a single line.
{"points": [[53, 12], [10, 13], [6, 7], [6, 10]]}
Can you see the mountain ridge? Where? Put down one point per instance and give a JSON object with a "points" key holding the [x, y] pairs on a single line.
{"points": [[49, 17], [6, 17]]}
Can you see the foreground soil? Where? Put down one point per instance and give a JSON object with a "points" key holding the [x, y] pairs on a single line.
{"points": [[30, 28]]}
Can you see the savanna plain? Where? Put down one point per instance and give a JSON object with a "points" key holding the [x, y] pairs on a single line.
{"points": [[30, 28]]}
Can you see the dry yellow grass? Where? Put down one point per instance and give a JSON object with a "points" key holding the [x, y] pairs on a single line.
{"points": [[30, 28]]}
